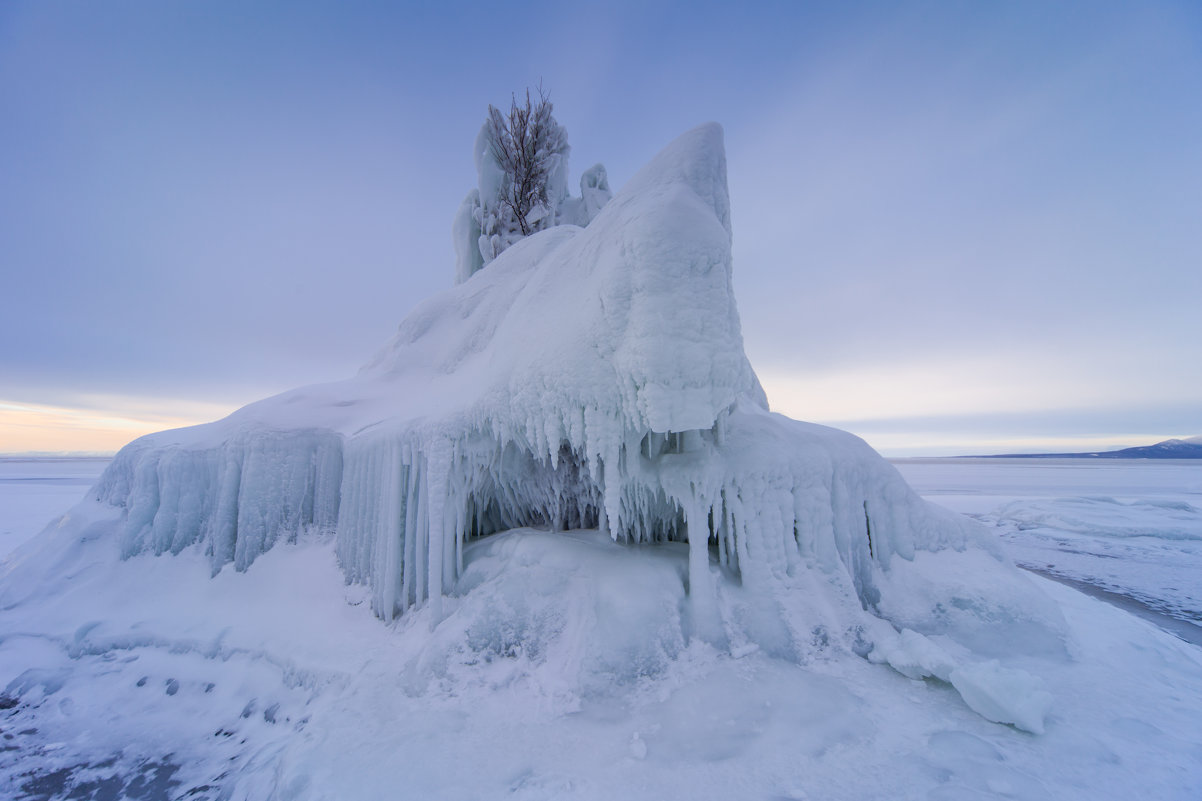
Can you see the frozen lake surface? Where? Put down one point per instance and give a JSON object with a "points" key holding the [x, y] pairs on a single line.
{"points": [[32, 491], [1127, 527], [979, 486]]}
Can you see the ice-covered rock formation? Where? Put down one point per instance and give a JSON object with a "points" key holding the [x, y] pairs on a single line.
{"points": [[595, 377]]}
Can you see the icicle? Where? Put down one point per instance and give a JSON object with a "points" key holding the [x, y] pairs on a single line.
{"points": [[350, 525], [461, 532], [703, 600], [421, 534], [227, 510], [788, 538], [371, 503], [393, 534], [868, 530], [412, 503], [438, 459], [453, 525]]}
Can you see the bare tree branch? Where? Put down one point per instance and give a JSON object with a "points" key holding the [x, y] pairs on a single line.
{"points": [[523, 144]]}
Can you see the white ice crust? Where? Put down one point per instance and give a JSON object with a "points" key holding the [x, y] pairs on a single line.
{"points": [[595, 378]]}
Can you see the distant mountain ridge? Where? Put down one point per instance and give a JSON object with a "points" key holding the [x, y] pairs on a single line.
{"points": [[1190, 448]]}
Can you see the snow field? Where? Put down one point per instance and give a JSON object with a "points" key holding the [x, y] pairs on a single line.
{"points": [[560, 669]]}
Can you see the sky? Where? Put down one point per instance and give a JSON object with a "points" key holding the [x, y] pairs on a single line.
{"points": [[959, 227]]}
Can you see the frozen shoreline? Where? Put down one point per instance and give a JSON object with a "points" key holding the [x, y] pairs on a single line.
{"points": [[1125, 531], [1182, 629]]}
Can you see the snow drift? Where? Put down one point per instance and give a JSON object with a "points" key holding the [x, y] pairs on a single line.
{"points": [[595, 378]]}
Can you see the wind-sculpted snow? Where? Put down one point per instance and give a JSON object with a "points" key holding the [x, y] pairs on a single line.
{"points": [[595, 378]]}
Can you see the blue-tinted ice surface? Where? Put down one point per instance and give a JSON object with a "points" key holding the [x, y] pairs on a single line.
{"points": [[1129, 527]]}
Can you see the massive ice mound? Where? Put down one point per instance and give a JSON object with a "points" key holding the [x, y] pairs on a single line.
{"points": [[595, 378]]}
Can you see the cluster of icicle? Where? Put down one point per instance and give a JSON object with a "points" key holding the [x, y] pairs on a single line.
{"points": [[757, 494], [238, 498]]}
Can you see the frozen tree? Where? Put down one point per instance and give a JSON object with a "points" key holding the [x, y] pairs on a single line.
{"points": [[529, 145], [522, 164], [522, 184]]}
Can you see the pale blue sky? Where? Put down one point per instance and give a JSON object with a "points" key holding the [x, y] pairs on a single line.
{"points": [[957, 225]]}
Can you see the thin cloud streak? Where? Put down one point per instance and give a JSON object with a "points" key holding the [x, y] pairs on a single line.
{"points": [[26, 427]]}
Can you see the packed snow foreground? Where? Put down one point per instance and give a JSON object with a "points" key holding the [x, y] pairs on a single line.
{"points": [[559, 482]]}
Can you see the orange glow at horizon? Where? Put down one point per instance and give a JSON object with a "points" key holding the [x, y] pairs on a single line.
{"points": [[33, 427]]}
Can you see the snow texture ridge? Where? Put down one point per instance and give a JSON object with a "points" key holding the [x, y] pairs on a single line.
{"points": [[595, 378]]}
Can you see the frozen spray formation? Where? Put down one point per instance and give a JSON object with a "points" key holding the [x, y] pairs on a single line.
{"points": [[595, 377]]}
